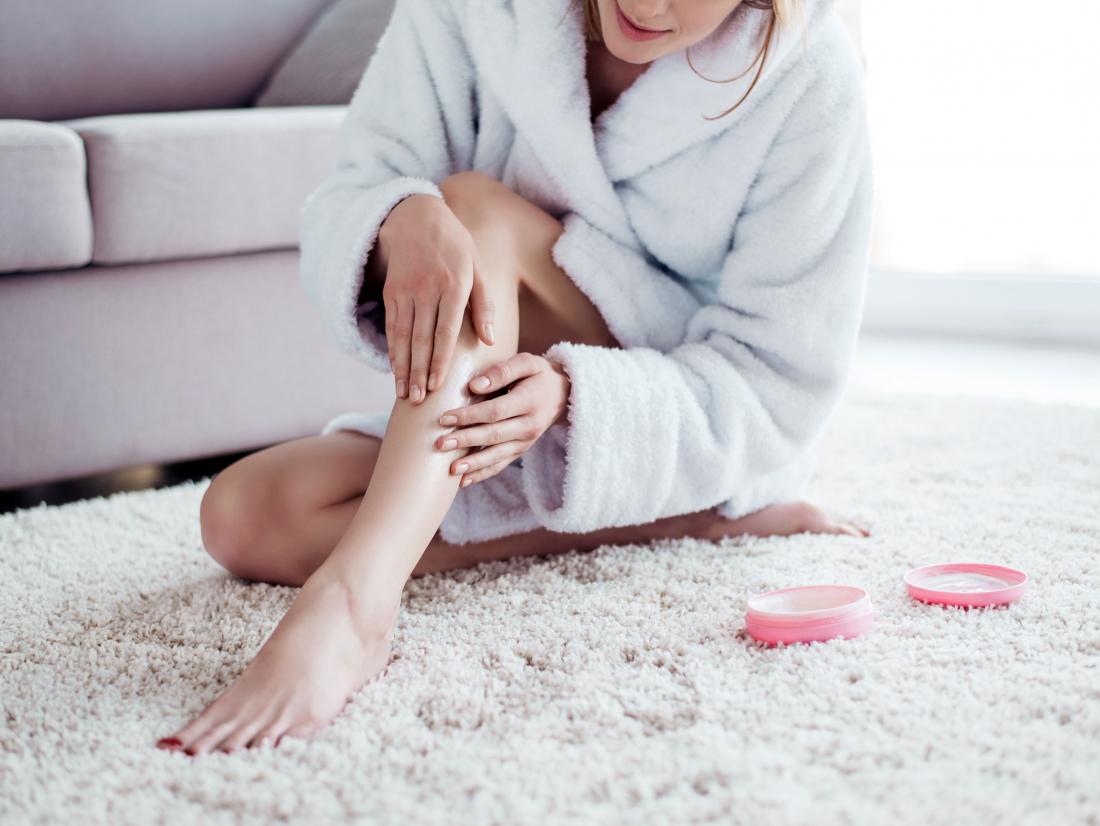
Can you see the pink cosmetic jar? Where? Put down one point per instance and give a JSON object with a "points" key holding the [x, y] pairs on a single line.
{"points": [[809, 613], [966, 584]]}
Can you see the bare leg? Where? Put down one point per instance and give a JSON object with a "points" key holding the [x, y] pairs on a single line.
{"points": [[336, 635], [276, 515], [354, 552]]}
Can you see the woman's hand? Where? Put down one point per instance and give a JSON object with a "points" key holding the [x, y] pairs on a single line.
{"points": [[431, 274], [504, 427]]}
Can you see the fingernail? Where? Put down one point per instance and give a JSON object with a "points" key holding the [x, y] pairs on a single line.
{"points": [[463, 467], [489, 332], [448, 419], [415, 392], [480, 383], [465, 482], [431, 382], [447, 445], [169, 742], [401, 388]]}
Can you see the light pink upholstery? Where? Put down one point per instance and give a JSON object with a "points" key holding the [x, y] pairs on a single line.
{"points": [[188, 184], [71, 58], [128, 139], [45, 221], [106, 367], [328, 62]]}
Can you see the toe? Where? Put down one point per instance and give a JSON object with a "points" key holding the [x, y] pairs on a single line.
{"points": [[845, 528], [266, 738], [304, 729], [855, 530], [245, 733], [187, 735], [270, 734], [212, 738]]}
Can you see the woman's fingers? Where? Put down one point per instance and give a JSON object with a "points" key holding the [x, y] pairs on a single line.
{"points": [[399, 322], [506, 372], [479, 464], [482, 308], [447, 327], [491, 410], [520, 427], [425, 309], [484, 473]]}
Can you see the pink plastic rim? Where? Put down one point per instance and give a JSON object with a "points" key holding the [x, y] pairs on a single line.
{"points": [[809, 613], [966, 584]]}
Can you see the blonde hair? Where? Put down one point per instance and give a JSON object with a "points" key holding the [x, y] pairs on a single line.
{"points": [[783, 13]]}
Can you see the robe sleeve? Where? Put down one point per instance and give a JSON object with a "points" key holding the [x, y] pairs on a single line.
{"points": [[745, 395], [410, 124]]}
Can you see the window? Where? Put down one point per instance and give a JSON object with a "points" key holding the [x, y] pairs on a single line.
{"points": [[985, 131]]}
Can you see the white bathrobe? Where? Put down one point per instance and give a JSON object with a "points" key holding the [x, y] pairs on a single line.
{"points": [[728, 256]]}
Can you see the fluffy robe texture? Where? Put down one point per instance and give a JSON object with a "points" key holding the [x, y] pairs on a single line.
{"points": [[728, 256], [610, 687]]}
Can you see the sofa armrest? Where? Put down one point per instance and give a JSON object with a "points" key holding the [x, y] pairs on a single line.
{"points": [[45, 221]]}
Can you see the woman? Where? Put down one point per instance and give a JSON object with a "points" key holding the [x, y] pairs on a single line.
{"points": [[660, 276]]}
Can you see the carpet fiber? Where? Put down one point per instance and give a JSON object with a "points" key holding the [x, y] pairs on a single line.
{"points": [[612, 686]]}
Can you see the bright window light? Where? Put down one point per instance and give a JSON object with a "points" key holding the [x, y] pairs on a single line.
{"points": [[985, 126]]}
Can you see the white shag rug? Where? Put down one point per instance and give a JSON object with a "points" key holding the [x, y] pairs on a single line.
{"points": [[613, 686]]}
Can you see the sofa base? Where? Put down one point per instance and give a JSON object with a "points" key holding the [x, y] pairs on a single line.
{"points": [[109, 367]]}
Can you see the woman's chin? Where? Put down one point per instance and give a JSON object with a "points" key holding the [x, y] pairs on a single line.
{"points": [[630, 52]]}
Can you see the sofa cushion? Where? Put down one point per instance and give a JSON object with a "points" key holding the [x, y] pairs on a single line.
{"points": [[45, 220], [328, 62], [210, 182], [76, 58]]}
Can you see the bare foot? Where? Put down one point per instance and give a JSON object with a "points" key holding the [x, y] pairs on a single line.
{"points": [[783, 519], [327, 646]]}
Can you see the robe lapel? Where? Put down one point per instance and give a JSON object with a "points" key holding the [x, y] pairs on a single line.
{"points": [[662, 113], [532, 55]]}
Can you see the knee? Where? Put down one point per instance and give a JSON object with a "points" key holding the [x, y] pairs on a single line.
{"points": [[492, 211], [469, 183], [473, 196], [230, 522]]}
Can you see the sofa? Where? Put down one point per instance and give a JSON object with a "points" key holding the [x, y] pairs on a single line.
{"points": [[153, 160]]}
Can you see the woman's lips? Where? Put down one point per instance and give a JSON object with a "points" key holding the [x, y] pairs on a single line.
{"points": [[632, 31]]}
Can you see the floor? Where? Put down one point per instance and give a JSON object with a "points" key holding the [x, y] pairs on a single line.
{"points": [[610, 687], [1034, 371]]}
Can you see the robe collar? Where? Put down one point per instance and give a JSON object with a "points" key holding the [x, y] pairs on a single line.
{"points": [[531, 53]]}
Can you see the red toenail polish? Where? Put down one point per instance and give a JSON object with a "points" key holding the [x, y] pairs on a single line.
{"points": [[189, 751], [169, 742]]}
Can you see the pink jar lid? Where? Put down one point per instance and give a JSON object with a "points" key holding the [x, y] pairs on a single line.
{"points": [[967, 584], [809, 613]]}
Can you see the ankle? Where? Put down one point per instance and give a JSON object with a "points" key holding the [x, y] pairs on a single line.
{"points": [[373, 610]]}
